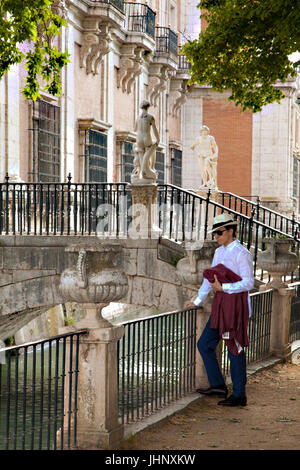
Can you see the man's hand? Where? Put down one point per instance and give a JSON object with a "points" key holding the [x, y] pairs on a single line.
{"points": [[217, 286], [189, 304]]}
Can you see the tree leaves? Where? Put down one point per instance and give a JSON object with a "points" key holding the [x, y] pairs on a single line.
{"points": [[29, 31], [245, 49]]}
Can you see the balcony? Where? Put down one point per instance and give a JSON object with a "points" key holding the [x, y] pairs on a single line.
{"points": [[183, 63], [166, 41], [140, 18]]}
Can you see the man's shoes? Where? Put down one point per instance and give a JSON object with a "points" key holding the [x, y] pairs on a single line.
{"points": [[219, 390], [233, 401]]}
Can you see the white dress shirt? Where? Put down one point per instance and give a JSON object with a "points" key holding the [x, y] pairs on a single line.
{"points": [[237, 258]]}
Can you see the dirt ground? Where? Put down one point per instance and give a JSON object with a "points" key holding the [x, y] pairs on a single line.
{"points": [[270, 421]]}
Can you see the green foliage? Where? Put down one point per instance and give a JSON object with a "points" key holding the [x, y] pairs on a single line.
{"points": [[245, 49], [28, 31]]}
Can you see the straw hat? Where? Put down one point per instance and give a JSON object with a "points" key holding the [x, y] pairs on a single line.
{"points": [[222, 220]]}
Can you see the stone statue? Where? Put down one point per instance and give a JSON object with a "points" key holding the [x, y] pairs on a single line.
{"points": [[144, 150], [208, 154]]}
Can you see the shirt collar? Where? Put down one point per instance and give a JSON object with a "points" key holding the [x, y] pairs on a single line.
{"points": [[231, 245]]}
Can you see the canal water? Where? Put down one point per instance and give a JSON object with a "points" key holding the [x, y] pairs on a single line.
{"points": [[32, 383]]}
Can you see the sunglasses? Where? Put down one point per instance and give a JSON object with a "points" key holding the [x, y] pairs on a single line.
{"points": [[220, 232]]}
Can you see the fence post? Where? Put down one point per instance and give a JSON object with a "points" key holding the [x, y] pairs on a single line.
{"points": [[280, 322], [279, 261], [98, 425]]}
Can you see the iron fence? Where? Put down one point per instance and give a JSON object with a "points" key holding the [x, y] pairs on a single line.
{"points": [[104, 209], [259, 330], [156, 363], [62, 208], [34, 378], [185, 216], [140, 18], [166, 41], [274, 219]]}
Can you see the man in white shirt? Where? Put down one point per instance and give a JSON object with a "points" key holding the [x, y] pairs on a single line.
{"points": [[238, 259]]}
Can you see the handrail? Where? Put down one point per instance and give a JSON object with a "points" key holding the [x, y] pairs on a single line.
{"points": [[260, 207]]}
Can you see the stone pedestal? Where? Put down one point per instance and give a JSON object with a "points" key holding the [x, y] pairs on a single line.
{"points": [[278, 261], [280, 345], [144, 212], [203, 314], [98, 426]]}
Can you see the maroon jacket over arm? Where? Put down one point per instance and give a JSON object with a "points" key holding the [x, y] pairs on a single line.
{"points": [[230, 312]]}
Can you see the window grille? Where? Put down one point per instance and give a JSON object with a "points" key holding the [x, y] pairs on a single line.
{"points": [[127, 157], [46, 142], [176, 159], [95, 156], [160, 167]]}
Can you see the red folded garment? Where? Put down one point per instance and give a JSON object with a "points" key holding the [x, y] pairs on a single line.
{"points": [[230, 312]]}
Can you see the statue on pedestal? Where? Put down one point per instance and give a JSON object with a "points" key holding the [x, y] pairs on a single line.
{"points": [[207, 152], [144, 150]]}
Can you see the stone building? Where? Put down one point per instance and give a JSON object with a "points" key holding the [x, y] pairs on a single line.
{"points": [[123, 53]]}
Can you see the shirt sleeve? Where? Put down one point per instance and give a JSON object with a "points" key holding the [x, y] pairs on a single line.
{"points": [[205, 287], [245, 263]]}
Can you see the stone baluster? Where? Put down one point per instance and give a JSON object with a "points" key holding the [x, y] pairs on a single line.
{"points": [[93, 283]]}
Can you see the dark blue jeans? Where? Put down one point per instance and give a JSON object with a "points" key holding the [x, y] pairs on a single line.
{"points": [[207, 344]]}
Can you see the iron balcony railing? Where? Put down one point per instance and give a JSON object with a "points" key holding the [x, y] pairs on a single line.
{"points": [[140, 18], [157, 360], [166, 41], [34, 380], [183, 63], [116, 3]]}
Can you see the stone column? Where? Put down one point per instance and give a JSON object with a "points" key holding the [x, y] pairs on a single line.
{"points": [[98, 425], [280, 322], [93, 283], [144, 211], [279, 261]]}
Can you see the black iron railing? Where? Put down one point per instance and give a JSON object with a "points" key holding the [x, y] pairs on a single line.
{"points": [[166, 41], [183, 63], [116, 3], [156, 363], [274, 219], [62, 208], [140, 18], [34, 379], [259, 330], [104, 209], [184, 216]]}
